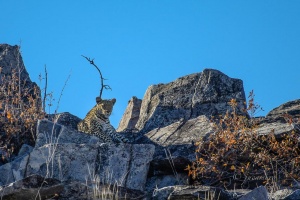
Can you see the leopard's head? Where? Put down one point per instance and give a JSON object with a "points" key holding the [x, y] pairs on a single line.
{"points": [[105, 107]]}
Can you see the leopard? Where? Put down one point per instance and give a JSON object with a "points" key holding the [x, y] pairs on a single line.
{"points": [[97, 123]]}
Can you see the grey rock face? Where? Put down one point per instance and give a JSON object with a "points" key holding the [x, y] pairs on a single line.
{"points": [[276, 123], [63, 161], [68, 155], [126, 164], [163, 193], [11, 59], [295, 195], [291, 107], [66, 119], [278, 128], [281, 194], [25, 149], [131, 115], [191, 192], [181, 132], [206, 93], [175, 148], [176, 115], [260, 193], [30, 188], [49, 132]]}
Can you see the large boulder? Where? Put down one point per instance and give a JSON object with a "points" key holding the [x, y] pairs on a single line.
{"points": [[191, 192], [174, 116], [131, 115], [38, 187], [283, 119], [260, 193], [65, 118], [68, 155], [206, 93], [11, 60], [292, 108]]}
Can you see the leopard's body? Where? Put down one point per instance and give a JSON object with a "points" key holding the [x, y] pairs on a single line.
{"points": [[97, 123]]}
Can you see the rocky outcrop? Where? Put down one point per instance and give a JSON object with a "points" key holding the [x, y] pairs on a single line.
{"points": [[38, 187], [291, 108], [206, 93], [278, 123], [65, 118], [175, 149], [166, 124], [191, 192], [176, 115], [258, 193], [68, 155], [11, 59], [131, 115]]}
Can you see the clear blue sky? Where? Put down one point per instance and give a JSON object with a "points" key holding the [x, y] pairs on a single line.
{"points": [[137, 43]]}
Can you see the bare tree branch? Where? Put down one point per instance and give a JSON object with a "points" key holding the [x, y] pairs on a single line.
{"points": [[45, 92], [101, 77]]}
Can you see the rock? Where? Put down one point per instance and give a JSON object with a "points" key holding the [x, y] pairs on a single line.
{"points": [[30, 188], [260, 193], [38, 187], [275, 122], [238, 193], [6, 174], [281, 194], [11, 59], [13, 171], [180, 133], [65, 118], [193, 192], [131, 115], [16, 86], [126, 165], [25, 150], [277, 128], [206, 93], [49, 132], [175, 148], [176, 115], [163, 193], [165, 181], [68, 155], [76, 190], [292, 108], [295, 195], [63, 161]]}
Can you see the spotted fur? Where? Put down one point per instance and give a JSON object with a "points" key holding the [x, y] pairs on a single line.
{"points": [[97, 123]]}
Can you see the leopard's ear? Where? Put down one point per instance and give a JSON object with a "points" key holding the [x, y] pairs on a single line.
{"points": [[113, 100], [98, 100]]}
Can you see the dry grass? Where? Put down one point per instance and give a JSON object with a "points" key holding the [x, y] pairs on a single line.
{"points": [[237, 156], [20, 108]]}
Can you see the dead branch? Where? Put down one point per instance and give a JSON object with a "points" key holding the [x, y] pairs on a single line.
{"points": [[101, 77]]}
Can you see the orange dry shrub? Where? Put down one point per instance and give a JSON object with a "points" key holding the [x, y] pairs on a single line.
{"points": [[20, 108], [237, 156]]}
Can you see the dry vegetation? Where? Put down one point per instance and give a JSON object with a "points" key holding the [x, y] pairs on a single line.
{"points": [[20, 108], [237, 156]]}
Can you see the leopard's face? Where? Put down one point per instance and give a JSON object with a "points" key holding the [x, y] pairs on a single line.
{"points": [[105, 107]]}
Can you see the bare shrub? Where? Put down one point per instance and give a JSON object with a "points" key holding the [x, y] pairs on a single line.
{"points": [[236, 156], [20, 108]]}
